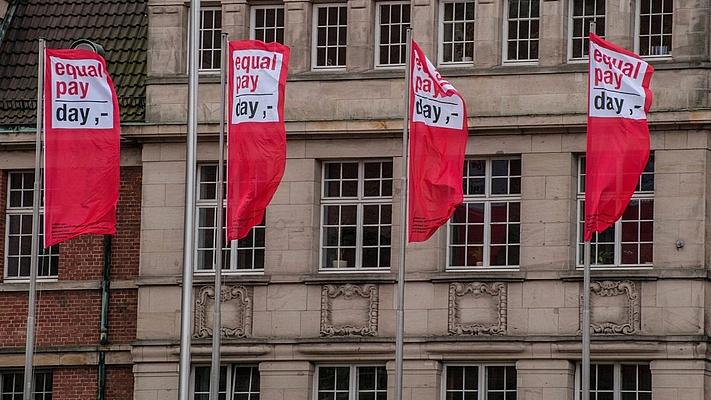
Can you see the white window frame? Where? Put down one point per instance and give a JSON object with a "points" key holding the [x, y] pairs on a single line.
{"points": [[335, 263], [227, 386], [48, 260], [617, 381], [276, 30], [402, 26], [661, 50], [586, 19], [486, 200], [215, 33], [483, 370], [341, 47], [517, 39], [44, 378], [639, 195], [354, 375], [253, 244], [459, 19]]}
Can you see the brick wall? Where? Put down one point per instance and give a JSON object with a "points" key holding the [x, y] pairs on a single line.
{"points": [[73, 317], [82, 257], [81, 383]]}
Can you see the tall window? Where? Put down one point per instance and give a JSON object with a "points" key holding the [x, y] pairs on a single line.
{"points": [[457, 32], [242, 255], [243, 383], [480, 382], [268, 24], [522, 30], [18, 243], [484, 231], [356, 214], [13, 383], [617, 382], [583, 12], [629, 242], [393, 19], [655, 27], [352, 383], [331, 26], [210, 42]]}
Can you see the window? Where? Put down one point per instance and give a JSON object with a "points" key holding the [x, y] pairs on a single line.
{"points": [[522, 30], [352, 383], [480, 382], [457, 32], [13, 383], [356, 214], [617, 382], [210, 40], [391, 33], [330, 38], [242, 255], [583, 12], [18, 244], [655, 27], [484, 231], [243, 383], [268, 24], [630, 241]]}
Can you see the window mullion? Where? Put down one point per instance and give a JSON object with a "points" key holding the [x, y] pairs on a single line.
{"points": [[359, 234]]}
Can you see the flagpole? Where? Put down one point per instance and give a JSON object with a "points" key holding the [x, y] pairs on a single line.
{"points": [[30, 338], [586, 303], [189, 212], [217, 314], [586, 324], [400, 313]]}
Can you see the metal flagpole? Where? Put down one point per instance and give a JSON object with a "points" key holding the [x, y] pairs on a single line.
{"points": [[29, 344], [400, 313], [217, 314], [586, 324], [189, 214], [586, 308]]}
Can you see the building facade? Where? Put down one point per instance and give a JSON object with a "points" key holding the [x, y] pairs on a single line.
{"points": [[492, 301]]}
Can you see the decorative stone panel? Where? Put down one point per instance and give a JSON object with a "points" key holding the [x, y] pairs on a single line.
{"points": [[236, 316], [614, 308], [477, 309], [349, 310]]}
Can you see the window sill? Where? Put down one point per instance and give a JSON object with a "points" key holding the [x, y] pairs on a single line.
{"points": [[349, 277]]}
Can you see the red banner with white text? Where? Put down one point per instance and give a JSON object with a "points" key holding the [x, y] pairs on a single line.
{"points": [[438, 140], [256, 139], [618, 137], [81, 146]]}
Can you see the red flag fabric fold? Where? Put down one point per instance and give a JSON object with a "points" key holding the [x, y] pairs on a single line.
{"points": [[438, 139], [82, 146], [256, 138], [618, 136]]}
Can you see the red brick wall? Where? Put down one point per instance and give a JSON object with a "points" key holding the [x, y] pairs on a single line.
{"points": [[82, 257], [75, 383], [73, 317], [119, 383], [82, 383]]}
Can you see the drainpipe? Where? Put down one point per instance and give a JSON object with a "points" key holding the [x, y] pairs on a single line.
{"points": [[104, 333]]}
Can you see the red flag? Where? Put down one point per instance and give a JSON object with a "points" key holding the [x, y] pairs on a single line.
{"points": [[82, 146], [438, 140], [618, 137], [256, 138]]}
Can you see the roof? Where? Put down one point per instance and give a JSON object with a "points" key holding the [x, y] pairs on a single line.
{"points": [[120, 26]]}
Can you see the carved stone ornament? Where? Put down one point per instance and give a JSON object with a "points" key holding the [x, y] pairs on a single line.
{"points": [[477, 309], [236, 312], [614, 308], [349, 310]]}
